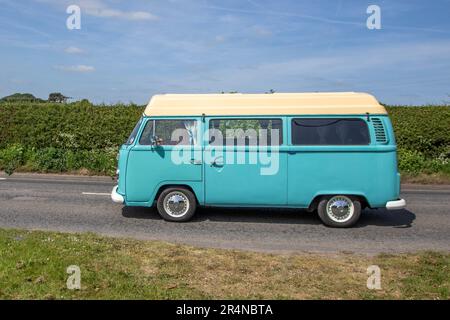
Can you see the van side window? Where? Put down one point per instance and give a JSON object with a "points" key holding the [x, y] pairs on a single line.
{"points": [[239, 132], [329, 131], [172, 132]]}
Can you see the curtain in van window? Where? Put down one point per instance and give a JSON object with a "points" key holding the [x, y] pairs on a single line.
{"points": [[268, 131], [191, 127]]}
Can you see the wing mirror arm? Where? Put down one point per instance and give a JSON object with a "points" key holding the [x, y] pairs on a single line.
{"points": [[156, 141]]}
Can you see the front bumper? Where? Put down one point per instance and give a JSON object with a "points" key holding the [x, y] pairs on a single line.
{"points": [[395, 205], [116, 197]]}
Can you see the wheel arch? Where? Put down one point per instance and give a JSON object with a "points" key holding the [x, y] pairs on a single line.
{"points": [[175, 185], [315, 201]]}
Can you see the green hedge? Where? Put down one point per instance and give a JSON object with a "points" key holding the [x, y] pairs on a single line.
{"points": [[75, 126], [423, 129], [423, 138], [48, 137], [66, 137]]}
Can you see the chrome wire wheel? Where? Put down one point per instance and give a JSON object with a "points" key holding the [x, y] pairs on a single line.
{"points": [[340, 209], [176, 204]]}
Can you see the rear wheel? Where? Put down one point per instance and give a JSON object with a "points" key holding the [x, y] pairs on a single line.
{"points": [[176, 204], [339, 211]]}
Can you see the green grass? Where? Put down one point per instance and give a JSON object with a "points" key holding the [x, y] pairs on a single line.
{"points": [[33, 266]]}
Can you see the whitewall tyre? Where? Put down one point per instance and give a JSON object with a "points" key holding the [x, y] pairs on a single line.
{"points": [[339, 211], [176, 204]]}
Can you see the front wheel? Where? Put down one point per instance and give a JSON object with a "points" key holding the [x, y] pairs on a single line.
{"points": [[339, 211], [176, 204]]}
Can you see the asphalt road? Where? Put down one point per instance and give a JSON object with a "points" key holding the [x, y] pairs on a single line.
{"points": [[81, 204]]}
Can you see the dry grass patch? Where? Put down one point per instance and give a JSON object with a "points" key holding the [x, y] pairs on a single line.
{"points": [[243, 275], [426, 178]]}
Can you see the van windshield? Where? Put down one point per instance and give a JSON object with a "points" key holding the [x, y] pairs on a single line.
{"points": [[134, 133]]}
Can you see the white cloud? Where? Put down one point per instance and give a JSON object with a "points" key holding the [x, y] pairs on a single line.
{"points": [[113, 13], [140, 15], [98, 8], [78, 68], [228, 18], [73, 50], [261, 31], [219, 38]]}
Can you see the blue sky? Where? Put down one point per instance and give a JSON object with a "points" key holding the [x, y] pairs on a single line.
{"points": [[128, 50]]}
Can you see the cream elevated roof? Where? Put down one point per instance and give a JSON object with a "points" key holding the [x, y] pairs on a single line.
{"points": [[263, 104]]}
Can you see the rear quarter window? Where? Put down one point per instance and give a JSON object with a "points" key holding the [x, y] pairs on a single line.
{"points": [[329, 131]]}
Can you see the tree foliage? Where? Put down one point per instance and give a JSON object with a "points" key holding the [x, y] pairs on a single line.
{"points": [[21, 98], [57, 97]]}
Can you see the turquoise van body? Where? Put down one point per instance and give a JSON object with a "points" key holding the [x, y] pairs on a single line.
{"points": [[334, 153], [305, 173]]}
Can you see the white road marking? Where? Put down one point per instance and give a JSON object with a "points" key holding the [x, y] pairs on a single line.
{"points": [[2, 178], [95, 194]]}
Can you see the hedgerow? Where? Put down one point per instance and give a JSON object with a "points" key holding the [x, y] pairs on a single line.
{"points": [[49, 137], [75, 126], [423, 138], [423, 129]]}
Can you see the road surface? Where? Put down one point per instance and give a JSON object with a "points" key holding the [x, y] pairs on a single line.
{"points": [[81, 204]]}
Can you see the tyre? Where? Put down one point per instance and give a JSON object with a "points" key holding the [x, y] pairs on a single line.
{"points": [[176, 204], [339, 211]]}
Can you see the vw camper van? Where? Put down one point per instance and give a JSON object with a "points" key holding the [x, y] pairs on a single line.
{"points": [[330, 153]]}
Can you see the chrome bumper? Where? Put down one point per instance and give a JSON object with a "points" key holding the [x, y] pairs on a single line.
{"points": [[116, 197], [395, 205]]}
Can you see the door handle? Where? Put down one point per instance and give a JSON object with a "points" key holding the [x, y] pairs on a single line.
{"points": [[196, 162], [292, 152], [216, 163]]}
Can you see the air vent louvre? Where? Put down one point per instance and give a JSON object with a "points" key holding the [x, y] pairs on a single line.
{"points": [[380, 133]]}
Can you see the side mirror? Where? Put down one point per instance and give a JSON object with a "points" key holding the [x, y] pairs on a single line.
{"points": [[156, 141]]}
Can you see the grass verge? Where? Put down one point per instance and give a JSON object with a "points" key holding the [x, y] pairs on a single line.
{"points": [[33, 265], [424, 178]]}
